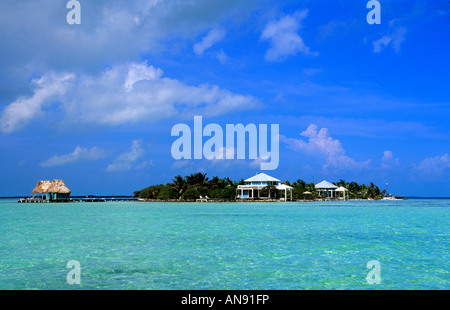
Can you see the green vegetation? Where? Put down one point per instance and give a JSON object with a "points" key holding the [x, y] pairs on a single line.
{"points": [[355, 190], [362, 191], [193, 186]]}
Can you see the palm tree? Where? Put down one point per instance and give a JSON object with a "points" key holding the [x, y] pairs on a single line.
{"points": [[341, 183], [179, 184], [353, 187], [300, 183], [196, 178], [228, 182]]}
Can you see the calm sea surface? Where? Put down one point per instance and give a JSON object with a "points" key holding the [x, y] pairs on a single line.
{"points": [[315, 245]]}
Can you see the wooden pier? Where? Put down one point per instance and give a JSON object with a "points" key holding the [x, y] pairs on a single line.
{"points": [[86, 199], [96, 199]]}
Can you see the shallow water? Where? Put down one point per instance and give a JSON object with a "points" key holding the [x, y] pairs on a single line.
{"points": [[304, 245]]}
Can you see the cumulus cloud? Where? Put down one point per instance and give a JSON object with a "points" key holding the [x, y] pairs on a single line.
{"points": [[283, 37], [319, 142], [141, 72], [214, 35], [78, 154], [388, 161], [122, 94], [150, 99], [46, 89], [127, 161], [434, 166]]}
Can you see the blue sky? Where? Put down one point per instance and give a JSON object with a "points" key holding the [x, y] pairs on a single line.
{"points": [[94, 104]]}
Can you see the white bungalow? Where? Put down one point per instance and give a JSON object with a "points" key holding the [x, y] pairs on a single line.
{"points": [[254, 185], [326, 187]]}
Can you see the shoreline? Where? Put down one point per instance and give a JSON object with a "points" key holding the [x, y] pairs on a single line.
{"points": [[105, 196], [265, 200], [211, 200]]}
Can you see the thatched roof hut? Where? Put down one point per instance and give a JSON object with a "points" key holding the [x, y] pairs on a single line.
{"points": [[55, 191], [58, 186], [42, 187]]}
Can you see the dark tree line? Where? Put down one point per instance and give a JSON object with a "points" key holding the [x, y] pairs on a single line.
{"points": [[191, 187]]}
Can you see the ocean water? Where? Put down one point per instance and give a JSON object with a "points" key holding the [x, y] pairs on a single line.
{"points": [[236, 246]]}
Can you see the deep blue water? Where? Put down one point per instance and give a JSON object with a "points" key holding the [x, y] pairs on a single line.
{"points": [[304, 245]]}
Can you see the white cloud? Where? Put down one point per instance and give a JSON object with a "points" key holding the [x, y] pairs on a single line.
{"points": [[128, 160], [214, 35], [78, 154], [318, 141], [388, 161], [394, 39], [149, 100], [434, 166], [46, 89], [321, 143], [141, 72], [135, 152], [283, 37], [120, 95]]}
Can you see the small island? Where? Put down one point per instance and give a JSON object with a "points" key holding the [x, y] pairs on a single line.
{"points": [[261, 187]]}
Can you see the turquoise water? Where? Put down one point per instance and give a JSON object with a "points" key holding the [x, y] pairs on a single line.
{"points": [[134, 245]]}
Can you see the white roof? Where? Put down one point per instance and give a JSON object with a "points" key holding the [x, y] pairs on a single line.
{"points": [[342, 189], [261, 177], [284, 186], [326, 185]]}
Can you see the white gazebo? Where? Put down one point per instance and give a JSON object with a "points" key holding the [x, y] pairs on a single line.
{"points": [[286, 188], [343, 190], [326, 187]]}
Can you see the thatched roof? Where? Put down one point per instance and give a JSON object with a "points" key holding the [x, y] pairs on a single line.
{"points": [[42, 187], [58, 186]]}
